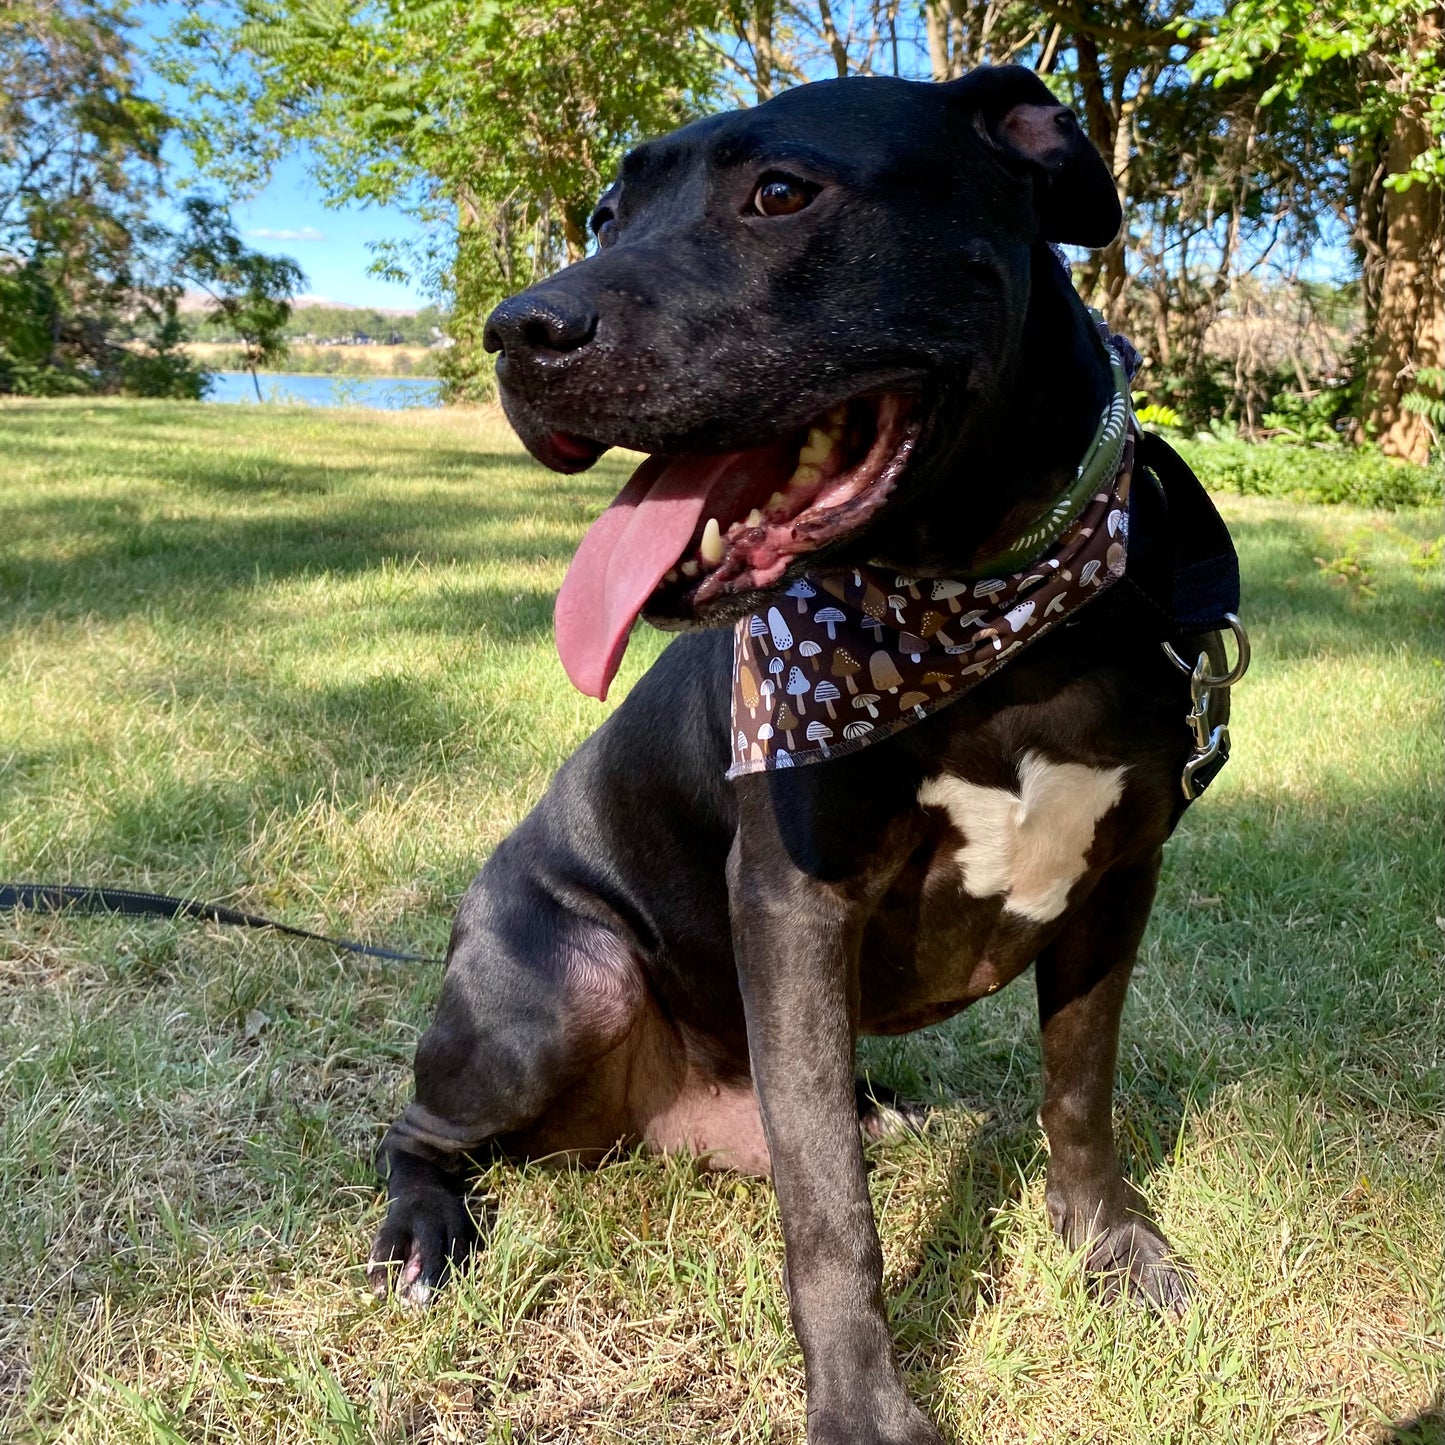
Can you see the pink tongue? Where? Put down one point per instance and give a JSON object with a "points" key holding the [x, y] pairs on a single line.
{"points": [[627, 551]]}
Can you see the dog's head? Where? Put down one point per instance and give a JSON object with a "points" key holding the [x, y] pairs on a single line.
{"points": [[780, 300]]}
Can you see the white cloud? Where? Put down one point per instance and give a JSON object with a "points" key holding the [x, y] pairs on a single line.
{"points": [[304, 233]]}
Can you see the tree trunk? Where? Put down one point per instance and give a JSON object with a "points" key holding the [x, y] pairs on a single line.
{"points": [[1407, 330], [936, 17], [1409, 324]]}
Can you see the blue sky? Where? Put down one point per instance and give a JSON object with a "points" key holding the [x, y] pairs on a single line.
{"points": [[289, 219]]}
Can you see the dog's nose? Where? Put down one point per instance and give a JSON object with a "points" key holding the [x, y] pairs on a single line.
{"points": [[538, 322]]}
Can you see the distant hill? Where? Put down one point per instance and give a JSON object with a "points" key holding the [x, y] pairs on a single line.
{"points": [[330, 323]]}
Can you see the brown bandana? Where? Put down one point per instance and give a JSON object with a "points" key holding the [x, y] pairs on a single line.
{"points": [[840, 662]]}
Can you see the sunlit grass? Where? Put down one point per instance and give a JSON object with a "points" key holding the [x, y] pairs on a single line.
{"points": [[302, 661]]}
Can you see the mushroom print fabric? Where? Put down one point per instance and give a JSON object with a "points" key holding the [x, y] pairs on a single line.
{"points": [[841, 662]]}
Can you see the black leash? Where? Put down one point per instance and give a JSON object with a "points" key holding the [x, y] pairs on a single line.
{"points": [[67, 898]]}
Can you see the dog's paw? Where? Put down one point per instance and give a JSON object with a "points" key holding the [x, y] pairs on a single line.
{"points": [[882, 1114], [1124, 1251], [427, 1233], [1134, 1259], [857, 1429]]}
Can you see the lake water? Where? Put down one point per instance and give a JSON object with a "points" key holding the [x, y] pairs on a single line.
{"points": [[386, 393]]}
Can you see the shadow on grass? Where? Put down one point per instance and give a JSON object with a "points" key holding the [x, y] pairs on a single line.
{"points": [[1427, 1428], [194, 567]]}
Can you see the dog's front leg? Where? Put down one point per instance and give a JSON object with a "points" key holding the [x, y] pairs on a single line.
{"points": [[1082, 980], [796, 940]]}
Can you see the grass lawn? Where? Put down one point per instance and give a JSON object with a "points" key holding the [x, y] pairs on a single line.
{"points": [[302, 661]]}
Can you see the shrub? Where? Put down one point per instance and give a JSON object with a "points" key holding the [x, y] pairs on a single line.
{"points": [[1361, 476]]}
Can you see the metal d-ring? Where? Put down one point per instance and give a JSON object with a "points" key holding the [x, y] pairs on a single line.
{"points": [[1241, 661]]}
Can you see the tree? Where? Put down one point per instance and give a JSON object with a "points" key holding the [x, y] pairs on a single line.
{"points": [[501, 123], [79, 157], [250, 293], [1379, 70], [89, 283]]}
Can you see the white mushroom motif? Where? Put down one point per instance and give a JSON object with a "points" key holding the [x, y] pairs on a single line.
{"points": [[798, 688], [756, 628], [811, 650], [801, 590], [1021, 616], [820, 732], [782, 637], [857, 729], [830, 617], [827, 694], [990, 587], [867, 700]]}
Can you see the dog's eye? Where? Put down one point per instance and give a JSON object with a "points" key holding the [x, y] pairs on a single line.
{"points": [[781, 196], [603, 225]]}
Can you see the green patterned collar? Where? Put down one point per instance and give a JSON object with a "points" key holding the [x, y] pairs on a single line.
{"points": [[1096, 471]]}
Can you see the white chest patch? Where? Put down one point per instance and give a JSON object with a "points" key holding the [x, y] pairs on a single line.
{"points": [[1032, 846]]}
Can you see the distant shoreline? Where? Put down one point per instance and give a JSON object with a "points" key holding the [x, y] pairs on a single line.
{"points": [[308, 359]]}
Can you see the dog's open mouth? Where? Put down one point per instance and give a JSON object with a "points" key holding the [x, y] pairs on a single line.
{"points": [[688, 531]]}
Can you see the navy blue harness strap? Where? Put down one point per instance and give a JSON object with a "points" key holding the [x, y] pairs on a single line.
{"points": [[68, 898], [1182, 560]]}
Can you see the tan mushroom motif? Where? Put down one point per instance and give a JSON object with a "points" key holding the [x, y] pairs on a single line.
{"points": [[891, 629]]}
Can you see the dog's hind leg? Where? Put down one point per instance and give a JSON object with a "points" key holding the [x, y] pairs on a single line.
{"points": [[534, 993], [1082, 979]]}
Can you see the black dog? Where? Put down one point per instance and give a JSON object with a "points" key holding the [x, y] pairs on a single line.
{"points": [[860, 272]]}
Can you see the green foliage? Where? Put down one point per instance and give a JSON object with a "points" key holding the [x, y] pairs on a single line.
{"points": [[1317, 418], [88, 283], [504, 121], [1154, 416], [1363, 58], [1360, 476], [1428, 397], [250, 292]]}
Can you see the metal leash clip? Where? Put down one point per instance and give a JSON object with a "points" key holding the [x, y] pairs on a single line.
{"points": [[1211, 745]]}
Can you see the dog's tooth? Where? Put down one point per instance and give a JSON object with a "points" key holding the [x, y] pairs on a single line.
{"points": [[805, 476], [817, 447], [689, 568], [711, 547], [776, 500], [671, 576], [755, 518], [838, 416]]}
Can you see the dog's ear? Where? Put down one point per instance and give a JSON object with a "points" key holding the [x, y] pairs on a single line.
{"points": [[1075, 195]]}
